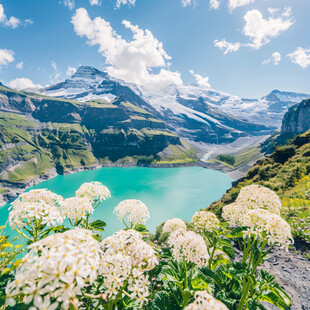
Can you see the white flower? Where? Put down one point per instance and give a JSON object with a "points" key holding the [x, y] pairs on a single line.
{"points": [[126, 258], [173, 225], [93, 191], [233, 212], [38, 195], [258, 196], [57, 268], [190, 246], [204, 220], [26, 213], [264, 224], [205, 301], [76, 208], [135, 211]]}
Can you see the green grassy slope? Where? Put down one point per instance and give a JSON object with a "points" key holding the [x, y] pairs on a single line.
{"points": [[287, 172]]}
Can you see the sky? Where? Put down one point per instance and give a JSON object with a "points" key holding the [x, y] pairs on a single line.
{"points": [[243, 47]]}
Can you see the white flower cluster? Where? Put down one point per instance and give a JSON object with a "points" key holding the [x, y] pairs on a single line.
{"points": [[135, 211], [38, 195], [252, 197], [173, 225], [258, 196], [233, 212], [57, 268], [262, 222], [190, 246], [204, 220], [205, 301], [26, 213], [38, 206], [126, 258], [93, 191], [76, 207]]}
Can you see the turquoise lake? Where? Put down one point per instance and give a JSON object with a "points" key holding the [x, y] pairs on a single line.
{"points": [[167, 192]]}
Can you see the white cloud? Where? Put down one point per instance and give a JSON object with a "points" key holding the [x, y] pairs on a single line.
{"points": [[274, 59], [201, 81], [233, 4], [188, 2], [120, 2], [70, 71], [28, 22], [23, 83], [6, 56], [70, 4], [94, 2], [261, 30], [131, 61], [214, 4], [227, 47], [301, 57], [55, 77], [20, 65], [11, 22]]}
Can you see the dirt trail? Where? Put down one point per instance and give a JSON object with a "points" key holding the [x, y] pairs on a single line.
{"points": [[292, 272]]}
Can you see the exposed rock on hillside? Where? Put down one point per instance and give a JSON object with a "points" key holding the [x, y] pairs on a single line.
{"points": [[297, 119]]}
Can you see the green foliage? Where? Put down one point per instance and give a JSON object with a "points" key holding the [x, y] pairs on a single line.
{"points": [[230, 160], [287, 172]]}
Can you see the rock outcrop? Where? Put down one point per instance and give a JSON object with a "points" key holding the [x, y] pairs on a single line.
{"points": [[297, 119]]}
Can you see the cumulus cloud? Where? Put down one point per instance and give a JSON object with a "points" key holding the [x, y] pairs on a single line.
{"points": [[274, 59], [6, 56], [261, 30], [70, 4], [11, 22], [301, 57], [227, 47], [131, 61], [233, 4], [188, 2], [214, 4], [23, 83], [201, 81], [94, 2], [20, 65], [70, 71], [123, 2]]}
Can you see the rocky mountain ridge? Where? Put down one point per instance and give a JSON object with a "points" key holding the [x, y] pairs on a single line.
{"points": [[297, 118]]}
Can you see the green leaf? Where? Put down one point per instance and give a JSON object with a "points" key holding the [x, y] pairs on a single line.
{"points": [[98, 225]]}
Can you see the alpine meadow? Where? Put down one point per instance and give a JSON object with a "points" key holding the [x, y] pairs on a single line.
{"points": [[154, 155]]}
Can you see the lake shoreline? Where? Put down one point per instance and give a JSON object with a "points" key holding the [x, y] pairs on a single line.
{"points": [[14, 189]]}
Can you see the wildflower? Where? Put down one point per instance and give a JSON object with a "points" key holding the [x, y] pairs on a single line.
{"points": [[257, 196], [264, 224], [93, 191], [190, 246], [135, 211], [233, 212], [173, 225], [205, 301], [126, 258], [204, 220], [38, 195], [25, 213], [76, 207], [57, 268]]}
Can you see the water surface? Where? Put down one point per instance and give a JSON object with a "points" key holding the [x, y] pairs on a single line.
{"points": [[167, 192]]}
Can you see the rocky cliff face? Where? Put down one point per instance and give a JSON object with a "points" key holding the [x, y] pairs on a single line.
{"points": [[297, 119], [40, 134]]}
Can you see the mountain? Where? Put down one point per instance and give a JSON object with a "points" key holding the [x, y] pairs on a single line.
{"points": [[190, 111], [41, 136], [297, 118]]}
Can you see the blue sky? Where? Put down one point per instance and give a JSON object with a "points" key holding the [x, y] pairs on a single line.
{"points": [[267, 42]]}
